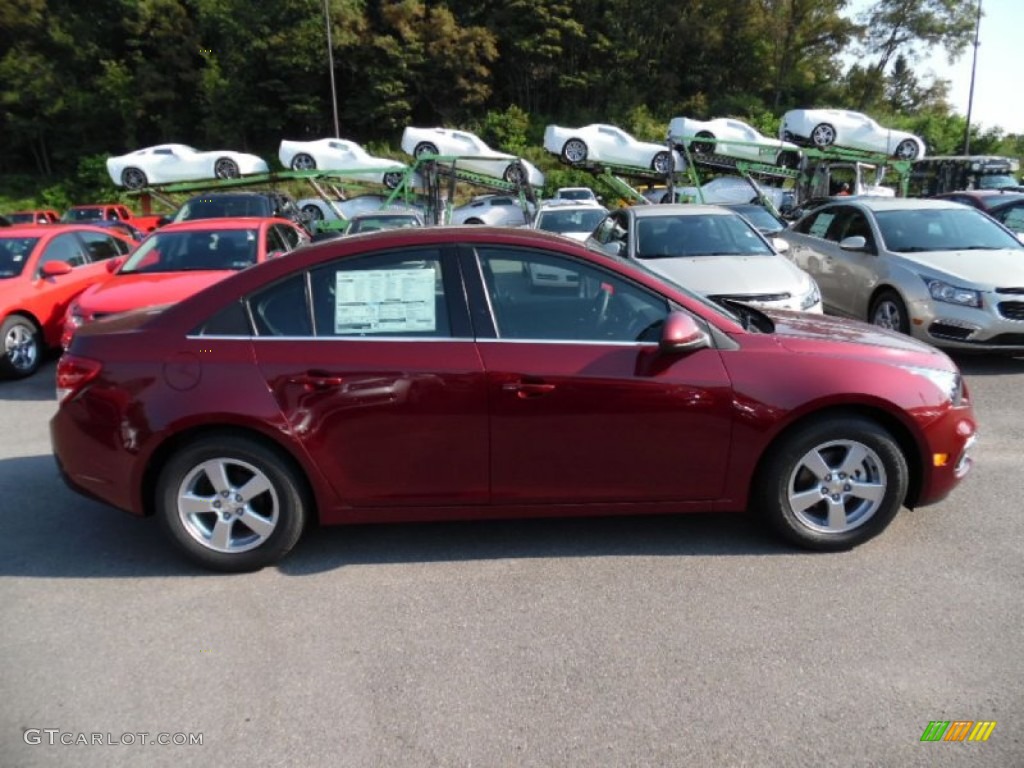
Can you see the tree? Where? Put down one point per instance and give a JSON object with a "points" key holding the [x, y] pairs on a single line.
{"points": [[902, 27]]}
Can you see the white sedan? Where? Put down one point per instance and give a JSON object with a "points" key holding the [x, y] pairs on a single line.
{"points": [[178, 162], [471, 152], [823, 128], [341, 155], [607, 143], [731, 138]]}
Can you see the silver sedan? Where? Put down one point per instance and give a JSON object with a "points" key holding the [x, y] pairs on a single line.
{"points": [[936, 270]]}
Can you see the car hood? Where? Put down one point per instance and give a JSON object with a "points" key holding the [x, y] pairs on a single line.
{"points": [[124, 292], [733, 275], [805, 332], [983, 269]]}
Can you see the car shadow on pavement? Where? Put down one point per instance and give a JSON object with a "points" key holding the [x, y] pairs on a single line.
{"points": [[701, 534], [40, 386], [48, 531], [988, 365]]}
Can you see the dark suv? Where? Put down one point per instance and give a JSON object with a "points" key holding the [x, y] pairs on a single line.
{"points": [[219, 205]]}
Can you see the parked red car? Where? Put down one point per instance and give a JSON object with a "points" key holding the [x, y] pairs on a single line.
{"points": [[42, 268], [79, 214], [413, 374], [42, 216], [179, 260]]}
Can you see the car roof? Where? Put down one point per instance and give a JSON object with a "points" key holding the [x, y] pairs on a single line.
{"points": [[902, 203], [37, 230], [677, 209]]}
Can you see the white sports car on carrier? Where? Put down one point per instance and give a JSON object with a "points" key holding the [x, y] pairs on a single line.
{"points": [[731, 138], [472, 153], [178, 162], [341, 155], [823, 128], [607, 143]]}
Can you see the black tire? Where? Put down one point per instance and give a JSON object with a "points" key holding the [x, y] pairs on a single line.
{"points": [[888, 310], [226, 168], [823, 135], [21, 347], [134, 178], [515, 174], [907, 150], [313, 211], [258, 531], [424, 148], [788, 159], [392, 179], [662, 163], [703, 148], [303, 162], [824, 466], [575, 151]]}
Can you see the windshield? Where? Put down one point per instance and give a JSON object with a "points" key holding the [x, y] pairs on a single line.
{"points": [[564, 221], [22, 218], [942, 229], [193, 251], [82, 214], [374, 223], [223, 206], [575, 194], [688, 235], [997, 181], [14, 253], [761, 218]]}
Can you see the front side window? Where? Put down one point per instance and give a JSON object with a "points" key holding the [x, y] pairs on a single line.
{"points": [[538, 295], [66, 248]]}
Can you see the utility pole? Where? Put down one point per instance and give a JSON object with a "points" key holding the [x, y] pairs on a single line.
{"points": [[970, 96], [334, 90]]}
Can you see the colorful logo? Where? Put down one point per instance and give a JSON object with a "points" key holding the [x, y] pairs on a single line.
{"points": [[958, 730]]}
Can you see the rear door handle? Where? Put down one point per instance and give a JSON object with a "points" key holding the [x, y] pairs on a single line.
{"points": [[317, 380], [526, 390]]}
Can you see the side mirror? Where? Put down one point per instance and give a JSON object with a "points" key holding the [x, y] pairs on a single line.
{"points": [[782, 246], [55, 269], [680, 333], [114, 264], [854, 243]]}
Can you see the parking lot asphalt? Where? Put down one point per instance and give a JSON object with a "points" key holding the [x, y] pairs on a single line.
{"points": [[679, 641]]}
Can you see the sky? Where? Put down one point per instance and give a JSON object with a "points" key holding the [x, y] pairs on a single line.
{"points": [[996, 90]]}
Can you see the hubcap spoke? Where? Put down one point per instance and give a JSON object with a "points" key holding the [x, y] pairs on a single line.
{"points": [[190, 504], [836, 515], [254, 487], [854, 458], [258, 524], [801, 502], [221, 536], [872, 492], [814, 462], [216, 472]]}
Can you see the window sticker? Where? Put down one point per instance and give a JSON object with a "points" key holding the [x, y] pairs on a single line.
{"points": [[384, 301], [821, 224]]}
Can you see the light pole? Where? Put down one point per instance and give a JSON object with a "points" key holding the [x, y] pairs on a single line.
{"points": [[970, 95], [330, 62]]}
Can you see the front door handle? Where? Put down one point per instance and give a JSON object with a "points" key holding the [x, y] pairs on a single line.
{"points": [[317, 380], [526, 390]]}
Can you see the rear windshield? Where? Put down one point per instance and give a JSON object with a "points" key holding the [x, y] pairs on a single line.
{"points": [[194, 251], [82, 214], [223, 206], [14, 253]]}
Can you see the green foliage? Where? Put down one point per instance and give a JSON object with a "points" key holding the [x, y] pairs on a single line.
{"points": [[87, 80]]}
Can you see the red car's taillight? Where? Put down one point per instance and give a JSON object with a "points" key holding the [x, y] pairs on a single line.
{"points": [[73, 373]]}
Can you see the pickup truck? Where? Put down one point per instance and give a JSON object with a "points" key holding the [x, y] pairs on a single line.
{"points": [[83, 214]]}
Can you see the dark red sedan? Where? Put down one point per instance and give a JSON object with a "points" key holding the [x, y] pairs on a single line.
{"points": [[416, 375]]}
